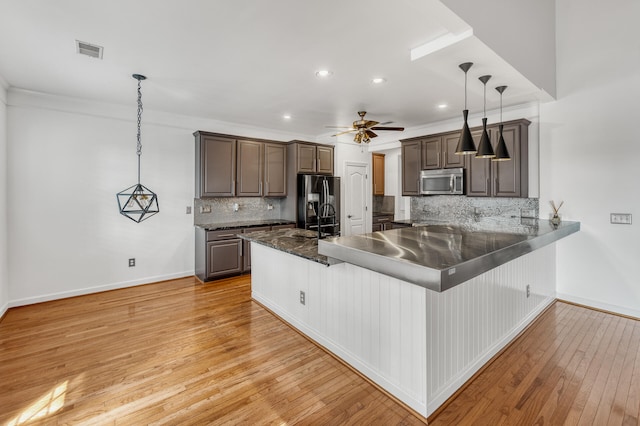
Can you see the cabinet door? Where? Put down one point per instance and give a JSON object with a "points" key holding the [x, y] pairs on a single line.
{"points": [[431, 153], [378, 174], [246, 249], [249, 168], [217, 167], [449, 157], [411, 168], [478, 172], [224, 257], [375, 227], [324, 155], [306, 158], [511, 178], [275, 170]]}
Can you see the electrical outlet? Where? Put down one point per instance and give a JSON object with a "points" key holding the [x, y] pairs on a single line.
{"points": [[132, 262], [528, 291], [188, 209], [205, 209], [302, 297], [528, 213], [621, 218]]}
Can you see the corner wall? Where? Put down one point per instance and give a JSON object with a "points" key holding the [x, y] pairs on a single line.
{"points": [[590, 152], [4, 264]]}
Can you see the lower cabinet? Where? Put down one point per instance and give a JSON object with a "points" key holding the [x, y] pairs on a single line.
{"points": [[222, 253], [381, 223]]}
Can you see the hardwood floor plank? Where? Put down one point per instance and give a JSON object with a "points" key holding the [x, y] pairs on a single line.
{"points": [[182, 352]]}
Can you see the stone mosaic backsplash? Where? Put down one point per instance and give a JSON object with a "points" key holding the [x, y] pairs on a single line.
{"points": [[459, 209], [222, 209]]}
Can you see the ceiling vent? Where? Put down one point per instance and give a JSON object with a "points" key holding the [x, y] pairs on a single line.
{"points": [[89, 49]]}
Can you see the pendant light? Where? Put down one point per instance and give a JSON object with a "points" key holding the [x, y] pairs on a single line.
{"points": [[485, 150], [502, 153], [465, 144], [138, 202]]}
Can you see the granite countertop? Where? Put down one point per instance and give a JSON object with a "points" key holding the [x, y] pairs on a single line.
{"points": [[439, 257], [299, 242], [243, 224]]}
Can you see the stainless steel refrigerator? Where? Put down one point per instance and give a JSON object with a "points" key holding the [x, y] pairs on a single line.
{"points": [[319, 204]]}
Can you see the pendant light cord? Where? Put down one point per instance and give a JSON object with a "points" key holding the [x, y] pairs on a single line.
{"points": [[465, 90], [484, 107], [139, 144]]}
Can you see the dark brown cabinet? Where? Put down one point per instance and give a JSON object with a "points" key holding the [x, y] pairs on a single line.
{"points": [[486, 178], [275, 170], [228, 167], [378, 173], [246, 249], [439, 152], [222, 253], [249, 168], [215, 166], [313, 159], [381, 223], [411, 166]]}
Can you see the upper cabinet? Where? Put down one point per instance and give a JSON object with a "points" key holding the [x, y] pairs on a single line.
{"points": [[411, 168], [378, 173], [439, 151], [484, 178], [228, 167], [215, 166], [313, 159], [249, 171], [275, 170]]}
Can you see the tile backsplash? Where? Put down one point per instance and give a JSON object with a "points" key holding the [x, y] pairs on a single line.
{"points": [[456, 208], [222, 209]]}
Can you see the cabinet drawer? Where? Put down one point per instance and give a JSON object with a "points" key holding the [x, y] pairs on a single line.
{"points": [[223, 234]]}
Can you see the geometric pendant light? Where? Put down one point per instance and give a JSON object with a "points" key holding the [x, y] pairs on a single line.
{"points": [[138, 202], [502, 153], [465, 143], [484, 147]]}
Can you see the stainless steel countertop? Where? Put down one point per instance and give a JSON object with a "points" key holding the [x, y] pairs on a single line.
{"points": [[439, 257]]}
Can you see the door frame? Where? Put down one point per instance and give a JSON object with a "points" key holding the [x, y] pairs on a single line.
{"points": [[367, 196]]}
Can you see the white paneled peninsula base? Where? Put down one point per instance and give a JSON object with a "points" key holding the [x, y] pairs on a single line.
{"points": [[418, 344]]}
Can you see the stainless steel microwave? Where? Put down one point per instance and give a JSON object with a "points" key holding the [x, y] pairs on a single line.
{"points": [[442, 181]]}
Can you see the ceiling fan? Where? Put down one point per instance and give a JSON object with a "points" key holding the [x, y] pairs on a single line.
{"points": [[364, 129]]}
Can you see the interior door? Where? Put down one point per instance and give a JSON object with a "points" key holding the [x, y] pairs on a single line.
{"points": [[356, 184]]}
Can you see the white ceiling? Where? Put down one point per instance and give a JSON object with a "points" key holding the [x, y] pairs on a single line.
{"points": [[252, 61]]}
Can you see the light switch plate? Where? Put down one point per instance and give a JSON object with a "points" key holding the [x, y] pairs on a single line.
{"points": [[621, 218]]}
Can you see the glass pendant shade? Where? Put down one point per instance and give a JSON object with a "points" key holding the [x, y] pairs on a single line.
{"points": [[502, 153], [465, 143], [485, 150], [138, 202]]}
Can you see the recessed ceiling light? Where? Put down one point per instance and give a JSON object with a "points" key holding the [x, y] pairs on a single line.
{"points": [[378, 80], [287, 117], [323, 73], [442, 106]]}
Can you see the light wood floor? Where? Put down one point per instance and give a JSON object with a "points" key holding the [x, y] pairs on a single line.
{"points": [[180, 352], [176, 352]]}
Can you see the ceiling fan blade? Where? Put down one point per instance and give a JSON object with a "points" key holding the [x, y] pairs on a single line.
{"points": [[338, 127], [346, 131], [386, 122], [397, 129], [370, 134], [370, 123]]}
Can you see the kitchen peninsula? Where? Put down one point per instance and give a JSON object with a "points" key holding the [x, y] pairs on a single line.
{"points": [[419, 336]]}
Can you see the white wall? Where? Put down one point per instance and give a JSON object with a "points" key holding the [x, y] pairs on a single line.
{"points": [[521, 32], [590, 151], [4, 275], [67, 159]]}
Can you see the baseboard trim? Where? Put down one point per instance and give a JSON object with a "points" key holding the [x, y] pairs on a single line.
{"points": [[96, 289], [599, 306]]}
